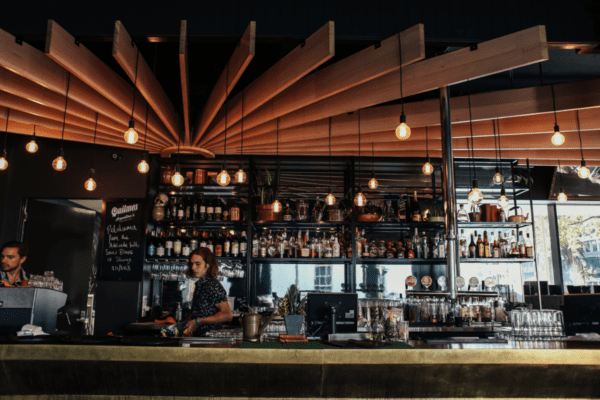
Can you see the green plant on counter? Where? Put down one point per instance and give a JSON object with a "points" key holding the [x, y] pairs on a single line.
{"points": [[291, 304], [266, 186]]}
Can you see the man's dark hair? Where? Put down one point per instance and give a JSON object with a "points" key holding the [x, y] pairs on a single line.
{"points": [[21, 248]]}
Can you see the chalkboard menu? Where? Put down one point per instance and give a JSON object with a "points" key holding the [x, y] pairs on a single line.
{"points": [[123, 235]]}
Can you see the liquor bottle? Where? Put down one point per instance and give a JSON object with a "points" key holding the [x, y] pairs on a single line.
{"points": [[203, 242], [514, 249], [202, 211], [417, 244], [480, 247], [174, 209], [528, 248], [522, 246], [210, 211], [462, 242], [210, 244], [169, 243], [168, 216], [415, 209], [226, 245], [486, 245], [496, 249], [425, 246], [218, 211], [337, 253], [194, 241], [151, 249], [410, 253], [181, 210], [185, 246], [177, 245], [287, 216], [243, 245], [196, 209], [255, 246], [317, 213], [462, 215], [189, 209], [328, 252], [436, 246], [442, 247], [160, 245], [263, 246], [235, 246], [320, 245], [284, 246], [401, 249], [401, 213], [306, 250], [472, 248]]}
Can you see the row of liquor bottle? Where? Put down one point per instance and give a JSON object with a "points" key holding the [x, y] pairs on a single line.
{"points": [[191, 208], [175, 243], [491, 247]]}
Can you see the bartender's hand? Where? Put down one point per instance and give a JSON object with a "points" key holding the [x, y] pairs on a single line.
{"points": [[191, 325]]}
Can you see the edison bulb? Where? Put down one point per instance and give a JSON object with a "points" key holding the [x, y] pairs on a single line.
{"points": [[240, 176], [373, 183], [428, 168], [143, 167], [177, 179], [330, 199], [3, 163], [59, 163], [558, 138], [277, 206], [131, 136], [562, 197], [498, 178], [223, 178], [360, 200], [403, 131], [31, 147], [503, 201], [475, 196], [90, 184], [584, 172]]}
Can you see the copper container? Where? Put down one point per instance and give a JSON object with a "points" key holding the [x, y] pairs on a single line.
{"points": [[166, 174], [200, 177], [234, 213], [335, 214]]}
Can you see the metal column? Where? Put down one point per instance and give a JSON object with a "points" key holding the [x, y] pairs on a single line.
{"points": [[449, 191]]}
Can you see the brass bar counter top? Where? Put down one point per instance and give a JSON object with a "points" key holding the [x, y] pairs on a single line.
{"points": [[427, 371]]}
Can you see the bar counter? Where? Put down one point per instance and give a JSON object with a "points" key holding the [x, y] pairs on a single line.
{"points": [[428, 370]]}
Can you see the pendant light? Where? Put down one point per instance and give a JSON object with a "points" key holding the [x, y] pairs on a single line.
{"points": [[403, 130], [330, 199], [59, 162], [143, 166], [177, 178], [223, 178], [240, 176], [373, 182], [502, 200], [3, 162], [277, 204], [360, 200], [475, 196], [32, 146], [90, 184], [498, 178], [131, 135], [562, 197], [427, 167], [557, 138], [584, 171]]}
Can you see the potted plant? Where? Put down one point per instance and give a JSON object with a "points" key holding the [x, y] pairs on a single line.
{"points": [[436, 215], [292, 309], [266, 194]]}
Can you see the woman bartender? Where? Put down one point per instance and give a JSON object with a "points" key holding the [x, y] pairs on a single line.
{"points": [[209, 304]]}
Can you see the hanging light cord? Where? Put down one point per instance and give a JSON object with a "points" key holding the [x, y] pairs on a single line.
{"points": [[499, 146], [65, 114], [146, 129], [400, 56], [330, 153], [6, 129], [137, 57], [94, 144], [554, 105], [495, 144], [560, 172], [277, 136], [243, 96], [468, 165], [226, 112], [472, 143], [373, 154], [579, 130], [359, 147], [427, 141]]}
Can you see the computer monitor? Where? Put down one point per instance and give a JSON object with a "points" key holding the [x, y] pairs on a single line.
{"points": [[319, 314]]}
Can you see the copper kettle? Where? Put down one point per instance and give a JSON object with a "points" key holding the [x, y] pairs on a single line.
{"points": [[518, 217]]}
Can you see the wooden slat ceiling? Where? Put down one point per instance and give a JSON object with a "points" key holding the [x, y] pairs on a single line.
{"points": [[33, 85]]}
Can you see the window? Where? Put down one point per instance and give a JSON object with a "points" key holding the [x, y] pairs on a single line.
{"points": [[277, 278]]}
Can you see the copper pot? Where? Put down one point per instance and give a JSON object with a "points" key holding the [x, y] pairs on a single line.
{"points": [[368, 217], [166, 174], [265, 213], [200, 177]]}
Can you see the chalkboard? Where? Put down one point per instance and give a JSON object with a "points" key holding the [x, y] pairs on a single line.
{"points": [[123, 236]]}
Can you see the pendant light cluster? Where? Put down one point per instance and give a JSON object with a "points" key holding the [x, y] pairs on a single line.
{"points": [[223, 178], [330, 199], [240, 176], [403, 130], [277, 207], [360, 200], [3, 162], [131, 135], [475, 196]]}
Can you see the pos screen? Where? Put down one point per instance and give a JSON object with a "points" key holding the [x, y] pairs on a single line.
{"points": [[318, 313]]}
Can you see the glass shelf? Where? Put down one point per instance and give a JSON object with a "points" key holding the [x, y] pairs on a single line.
{"points": [[301, 260], [199, 223], [159, 260], [297, 224], [496, 260], [493, 225], [383, 226], [400, 261]]}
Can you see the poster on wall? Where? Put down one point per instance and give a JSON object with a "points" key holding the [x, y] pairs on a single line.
{"points": [[123, 232]]}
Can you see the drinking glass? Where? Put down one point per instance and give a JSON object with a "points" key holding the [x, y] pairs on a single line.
{"points": [[402, 331], [49, 274]]}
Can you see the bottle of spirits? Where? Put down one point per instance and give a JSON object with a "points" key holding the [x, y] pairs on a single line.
{"points": [[496, 251], [328, 252], [401, 248], [210, 243], [463, 249], [226, 245], [202, 216], [410, 252], [185, 246], [401, 214], [194, 241], [203, 238], [317, 212], [263, 247], [472, 248], [189, 210], [425, 246], [287, 216], [177, 243], [337, 253], [196, 209], [174, 209], [486, 245], [358, 243], [306, 250], [480, 247], [168, 216], [528, 248], [160, 245], [210, 211], [243, 245], [462, 215], [219, 245], [169, 243], [255, 246], [435, 248], [442, 250], [415, 209], [417, 244], [181, 210], [218, 211], [522, 246], [151, 249], [514, 248]]}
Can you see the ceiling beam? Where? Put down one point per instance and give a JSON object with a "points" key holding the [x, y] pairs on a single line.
{"points": [[81, 62], [128, 56], [352, 71], [508, 52], [314, 51], [237, 64], [185, 80]]}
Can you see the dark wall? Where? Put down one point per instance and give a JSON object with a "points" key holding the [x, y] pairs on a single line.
{"points": [[32, 176], [459, 20]]}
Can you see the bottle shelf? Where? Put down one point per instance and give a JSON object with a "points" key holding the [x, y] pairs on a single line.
{"points": [[182, 260], [496, 260], [388, 226], [439, 293], [297, 224], [301, 260], [240, 225], [400, 261], [493, 225]]}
